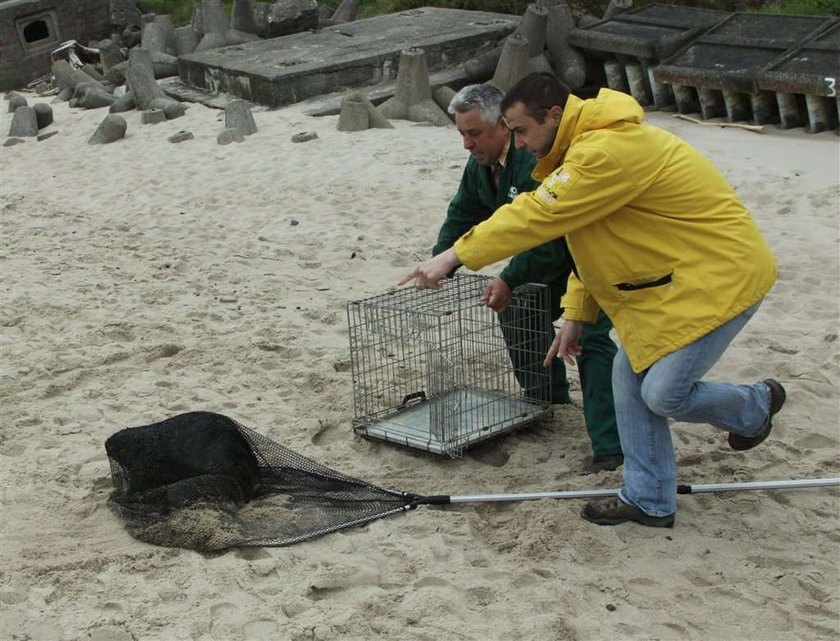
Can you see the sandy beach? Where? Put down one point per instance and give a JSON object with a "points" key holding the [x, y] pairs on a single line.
{"points": [[142, 279]]}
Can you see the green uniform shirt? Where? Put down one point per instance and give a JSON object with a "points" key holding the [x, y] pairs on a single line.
{"points": [[478, 198]]}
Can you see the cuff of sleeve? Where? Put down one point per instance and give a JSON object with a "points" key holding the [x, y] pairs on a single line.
{"points": [[469, 257], [581, 315], [510, 280], [579, 307]]}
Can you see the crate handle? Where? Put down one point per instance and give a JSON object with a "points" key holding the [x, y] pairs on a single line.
{"points": [[416, 396]]}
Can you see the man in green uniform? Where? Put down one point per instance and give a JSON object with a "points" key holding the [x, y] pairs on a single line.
{"points": [[495, 173]]}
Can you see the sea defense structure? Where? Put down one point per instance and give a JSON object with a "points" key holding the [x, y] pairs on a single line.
{"points": [[812, 71], [412, 98], [358, 114], [741, 67], [513, 63], [726, 61]]}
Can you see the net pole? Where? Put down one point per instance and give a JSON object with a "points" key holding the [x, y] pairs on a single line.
{"points": [[587, 494]]}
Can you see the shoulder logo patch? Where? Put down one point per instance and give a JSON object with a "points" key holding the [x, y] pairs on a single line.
{"points": [[554, 186]]}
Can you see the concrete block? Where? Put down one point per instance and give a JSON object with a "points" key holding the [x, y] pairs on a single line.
{"points": [[24, 123], [304, 136], [181, 136], [292, 16], [186, 40], [152, 116], [412, 98], [230, 135], [124, 103], [111, 129], [242, 17], [238, 116], [172, 108], [43, 114], [16, 101]]}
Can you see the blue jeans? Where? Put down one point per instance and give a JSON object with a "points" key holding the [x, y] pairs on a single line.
{"points": [[671, 388]]}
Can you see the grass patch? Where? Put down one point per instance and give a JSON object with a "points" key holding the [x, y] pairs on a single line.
{"points": [[803, 7]]}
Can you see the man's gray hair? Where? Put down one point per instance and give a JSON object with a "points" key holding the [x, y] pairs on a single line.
{"points": [[486, 98]]}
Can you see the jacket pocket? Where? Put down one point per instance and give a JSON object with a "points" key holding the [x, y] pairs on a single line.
{"points": [[645, 284]]}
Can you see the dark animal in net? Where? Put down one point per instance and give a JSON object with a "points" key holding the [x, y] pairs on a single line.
{"points": [[202, 481]]}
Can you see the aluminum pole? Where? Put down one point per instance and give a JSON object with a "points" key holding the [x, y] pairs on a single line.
{"points": [[681, 489]]}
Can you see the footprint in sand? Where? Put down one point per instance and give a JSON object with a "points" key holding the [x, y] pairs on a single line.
{"points": [[432, 582], [260, 630], [110, 633], [489, 454], [221, 614]]}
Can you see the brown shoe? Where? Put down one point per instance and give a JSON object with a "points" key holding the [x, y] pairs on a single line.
{"points": [[777, 399], [613, 511]]}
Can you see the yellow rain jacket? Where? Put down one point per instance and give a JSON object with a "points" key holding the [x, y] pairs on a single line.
{"points": [[661, 242]]}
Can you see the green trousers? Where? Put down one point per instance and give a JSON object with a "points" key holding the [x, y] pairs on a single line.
{"points": [[528, 340]]}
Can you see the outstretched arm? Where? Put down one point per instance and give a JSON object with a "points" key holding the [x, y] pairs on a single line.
{"points": [[429, 274]]}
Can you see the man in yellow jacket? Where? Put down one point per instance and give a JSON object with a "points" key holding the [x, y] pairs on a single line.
{"points": [[664, 246]]}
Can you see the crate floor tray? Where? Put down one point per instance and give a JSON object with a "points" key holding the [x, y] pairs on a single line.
{"points": [[470, 416]]}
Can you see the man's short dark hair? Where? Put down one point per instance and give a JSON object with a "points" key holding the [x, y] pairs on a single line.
{"points": [[538, 92]]}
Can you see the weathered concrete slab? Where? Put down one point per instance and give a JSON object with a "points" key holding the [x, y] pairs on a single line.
{"points": [[328, 104], [731, 55], [652, 32], [811, 69], [292, 68]]}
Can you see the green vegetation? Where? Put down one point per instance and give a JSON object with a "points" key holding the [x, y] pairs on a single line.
{"points": [[179, 10], [803, 7]]}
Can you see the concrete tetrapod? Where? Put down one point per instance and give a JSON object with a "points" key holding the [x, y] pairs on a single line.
{"points": [[186, 40], [243, 16], [43, 114], [164, 21], [533, 28], [66, 75], [213, 17], [228, 136], [358, 114], [147, 93], [539, 64], [345, 12], [412, 98], [110, 129], [513, 63], [443, 97], [568, 63], [24, 123], [153, 38], [617, 7], [90, 95], [238, 116], [353, 116], [16, 101], [124, 103], [211, 41], [110, 54]]}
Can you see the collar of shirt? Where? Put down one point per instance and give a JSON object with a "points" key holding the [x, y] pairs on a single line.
{"points": [[499, 165], [502, 161]]}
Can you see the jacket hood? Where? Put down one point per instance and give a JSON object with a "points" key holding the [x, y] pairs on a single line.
{"points": [[580, 116]]}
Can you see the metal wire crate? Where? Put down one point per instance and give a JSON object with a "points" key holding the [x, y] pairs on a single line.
{"points": [[436, 370]]}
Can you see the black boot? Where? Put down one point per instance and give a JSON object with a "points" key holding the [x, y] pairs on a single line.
{"points": [[777, 399]]}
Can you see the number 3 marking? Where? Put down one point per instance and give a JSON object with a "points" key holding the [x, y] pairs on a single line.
{"points": [[832, 89]]}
